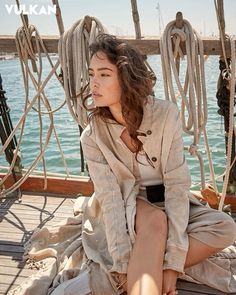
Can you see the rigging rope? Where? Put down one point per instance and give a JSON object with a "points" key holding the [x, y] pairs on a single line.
{"points": [[26, 52], [74, 57], [193, 90]]}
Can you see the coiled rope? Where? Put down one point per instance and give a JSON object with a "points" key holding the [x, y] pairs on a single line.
{"points": [[193, 90], [26, 53], [74, 58]]}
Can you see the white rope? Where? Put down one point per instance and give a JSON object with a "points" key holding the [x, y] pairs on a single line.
{"points": [[26, 52], [74, 57], [74, 50], [193, 90], [21, 123]]}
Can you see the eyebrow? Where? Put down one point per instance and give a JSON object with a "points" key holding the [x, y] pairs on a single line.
{"points": [[101, 69]]}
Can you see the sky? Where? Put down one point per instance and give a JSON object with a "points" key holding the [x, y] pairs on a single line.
{"points": [[116, 15]]}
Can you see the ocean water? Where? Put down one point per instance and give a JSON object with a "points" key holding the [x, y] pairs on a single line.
{"points": [[68, 131]]}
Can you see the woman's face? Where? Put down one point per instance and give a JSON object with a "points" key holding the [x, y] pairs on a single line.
{"points": [[104, 82]]}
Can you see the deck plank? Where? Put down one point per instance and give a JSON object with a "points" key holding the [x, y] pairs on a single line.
{"points": [[18, 221]]}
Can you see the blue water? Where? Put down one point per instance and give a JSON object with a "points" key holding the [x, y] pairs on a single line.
{"points": [[68, 131]]}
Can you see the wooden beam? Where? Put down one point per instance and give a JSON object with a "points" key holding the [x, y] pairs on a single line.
{"points": [[147, 45], [72, 187], [55, 185]]}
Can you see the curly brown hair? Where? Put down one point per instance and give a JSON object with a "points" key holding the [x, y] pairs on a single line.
{"points": [[135, 80]]}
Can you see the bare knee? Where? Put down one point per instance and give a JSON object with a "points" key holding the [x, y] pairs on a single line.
{"points": [[224, 231], [150, 220]]}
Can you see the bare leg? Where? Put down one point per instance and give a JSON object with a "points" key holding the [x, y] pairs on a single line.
{"points": [[198, 251], [146, 261], [223, 226]]}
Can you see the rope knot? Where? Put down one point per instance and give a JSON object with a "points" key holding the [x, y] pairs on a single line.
{"points": [[193, 149], [226, 75], [179, 34]]}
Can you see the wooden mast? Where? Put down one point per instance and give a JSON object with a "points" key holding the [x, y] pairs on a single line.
{"points": [[223, 93], [136, 19], [59, 17]]}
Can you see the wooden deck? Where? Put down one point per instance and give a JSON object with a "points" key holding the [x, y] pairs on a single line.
{"points": [[19, 219]]}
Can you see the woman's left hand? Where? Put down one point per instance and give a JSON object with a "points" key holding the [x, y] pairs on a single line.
{"points": [[169, 282]]}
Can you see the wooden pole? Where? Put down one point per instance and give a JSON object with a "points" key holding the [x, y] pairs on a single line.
{"points": [[179, 23], [24, 17], [220, 5], [59, 17], [223, 93], [88, 23], [136, 19]]}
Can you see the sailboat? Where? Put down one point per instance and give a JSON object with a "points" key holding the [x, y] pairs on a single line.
{"points": [[29, 200]]}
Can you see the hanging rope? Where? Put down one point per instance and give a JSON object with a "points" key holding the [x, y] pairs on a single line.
{"points": [[74, 57], [27, 53], [193, 90]]}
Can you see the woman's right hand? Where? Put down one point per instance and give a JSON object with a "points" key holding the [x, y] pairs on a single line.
{"points": [[121, 279], [169, 282]]}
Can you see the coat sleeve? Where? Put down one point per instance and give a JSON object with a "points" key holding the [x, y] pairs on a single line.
{"points": [[177, 183], [109, 196]]}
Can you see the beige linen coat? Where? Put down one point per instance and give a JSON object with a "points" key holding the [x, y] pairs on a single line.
{"points": [[111, 167], [99, 239]]}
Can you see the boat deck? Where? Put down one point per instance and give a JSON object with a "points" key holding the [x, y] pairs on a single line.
{"points": [[19, 219]]}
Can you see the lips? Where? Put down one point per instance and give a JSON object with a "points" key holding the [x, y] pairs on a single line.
{"points": [[96, 94]]}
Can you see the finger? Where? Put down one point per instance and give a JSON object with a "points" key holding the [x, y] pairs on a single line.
{"points": [[171, 293]]}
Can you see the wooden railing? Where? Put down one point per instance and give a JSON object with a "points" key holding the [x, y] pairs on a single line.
{"points": [[147, 45]]}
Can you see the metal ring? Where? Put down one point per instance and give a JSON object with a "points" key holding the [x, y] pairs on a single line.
{"points": [[226, 74]]}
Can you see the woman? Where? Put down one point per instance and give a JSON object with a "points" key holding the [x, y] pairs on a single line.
{"points": [[134, 150]]}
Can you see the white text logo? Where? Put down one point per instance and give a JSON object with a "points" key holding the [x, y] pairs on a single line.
{"points": [[31, 9]]}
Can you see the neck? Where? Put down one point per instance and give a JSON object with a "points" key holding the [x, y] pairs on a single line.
{"points": [[117, 114]]}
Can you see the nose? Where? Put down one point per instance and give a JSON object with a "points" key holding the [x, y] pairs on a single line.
{"points": [[94, 82]]}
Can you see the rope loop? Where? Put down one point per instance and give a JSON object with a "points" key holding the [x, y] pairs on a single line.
{"points": [[26, 52], [74, 57], [226, 75], [179, 33], [191, 90], [24, 36], [193, 149]]}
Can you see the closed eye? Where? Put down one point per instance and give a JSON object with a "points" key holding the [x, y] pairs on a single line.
{"points": [[105, 75]]}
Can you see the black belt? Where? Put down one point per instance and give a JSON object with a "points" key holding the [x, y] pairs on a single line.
{"points": [[155, 193]]}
